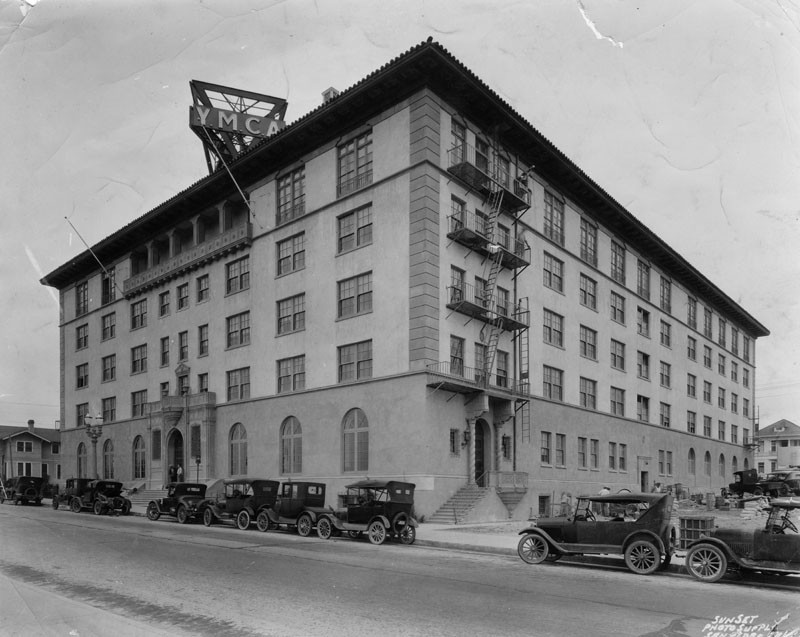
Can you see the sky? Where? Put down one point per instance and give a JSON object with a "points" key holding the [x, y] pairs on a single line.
{"points": [[686, 112]]}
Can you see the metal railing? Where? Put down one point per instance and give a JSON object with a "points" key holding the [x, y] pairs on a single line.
{"points": [[478, 378]]}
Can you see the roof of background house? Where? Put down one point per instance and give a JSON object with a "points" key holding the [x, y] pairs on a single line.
{"points": [[781, 428], [11, 431]]}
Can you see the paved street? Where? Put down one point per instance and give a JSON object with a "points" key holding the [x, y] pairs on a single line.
{"points": [[63, 573]]}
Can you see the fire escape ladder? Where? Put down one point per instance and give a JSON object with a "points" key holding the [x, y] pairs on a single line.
{"points": [[495, 202]]}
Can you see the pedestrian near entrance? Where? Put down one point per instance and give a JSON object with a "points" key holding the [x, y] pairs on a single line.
{"points": [[173, 474], [604, 508], [179, 473]]}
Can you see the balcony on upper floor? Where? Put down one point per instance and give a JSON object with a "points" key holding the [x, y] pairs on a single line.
{"points": [[472, 301], [487, 175], [454, 376], [471, 230], [214, 247]]}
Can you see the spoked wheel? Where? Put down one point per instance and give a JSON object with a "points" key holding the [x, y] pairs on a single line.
{"points": [[243, 520], [98, 507], [182, 515], [706, 562], [324, 528], [54, 503], [533, 549], [126, 507], [408, 534], [262, 522], [304, 525], [208, 517], [376, 532], [75, 505], [354, 535], [642, 557], [153, 512]]}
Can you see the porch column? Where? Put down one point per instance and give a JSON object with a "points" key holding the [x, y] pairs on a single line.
{"points": [[470, 432]]}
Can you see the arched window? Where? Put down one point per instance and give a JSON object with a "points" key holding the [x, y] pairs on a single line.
{"points": [[722, 465], [108, 460], [735, 465], [139, 463], [692, 467], [291, 446], [355, 441], [707, 463], [238, 450], [82, 460]]}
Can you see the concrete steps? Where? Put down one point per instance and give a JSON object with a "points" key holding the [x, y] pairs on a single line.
{"points": [[456, 509]]}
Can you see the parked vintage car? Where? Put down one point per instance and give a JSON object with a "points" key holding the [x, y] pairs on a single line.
{"points": [[299, 505], [636, 525], [381, 508], [772, 549], [182, 502], [240, 501], [23, 490], [781, 483], [100, 496], [743, 482]]}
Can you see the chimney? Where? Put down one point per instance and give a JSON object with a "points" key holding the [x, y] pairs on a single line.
{"points": [[30, 426], [329, 94]]}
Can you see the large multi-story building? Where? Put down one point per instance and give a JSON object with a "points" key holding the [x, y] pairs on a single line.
{"points": [[409, 281], [778, 446]]}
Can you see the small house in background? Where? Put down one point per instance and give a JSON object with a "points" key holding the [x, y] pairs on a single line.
{"points": [[778, 446], [30, 451]]}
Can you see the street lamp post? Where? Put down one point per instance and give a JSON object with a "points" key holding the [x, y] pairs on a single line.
{"points": [[94, 432]]}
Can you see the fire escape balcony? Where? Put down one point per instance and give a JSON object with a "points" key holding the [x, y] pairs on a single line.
{"points": [[455, 377], [469, 229], [486, 176], [213, 248], [469, 300]]}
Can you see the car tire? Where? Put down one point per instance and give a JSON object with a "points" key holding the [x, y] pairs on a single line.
{"points": [[407, 534], [304, 525], [262, 521], [355, 535], [706, 562], [758, 491], [324, 528], [376, 532], [642, 557], [533, 549], [784, 490], [98, 507], [126, 507], [75, 505], [208, 516], [182, 515], [153, 512], [243, 520], [54, 504]]}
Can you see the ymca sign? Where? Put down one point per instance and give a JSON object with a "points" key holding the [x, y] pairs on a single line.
{"points": [[233, 122]]}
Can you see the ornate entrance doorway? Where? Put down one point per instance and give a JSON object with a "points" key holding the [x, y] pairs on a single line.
{"points": [[175, 455], [480, 452]]}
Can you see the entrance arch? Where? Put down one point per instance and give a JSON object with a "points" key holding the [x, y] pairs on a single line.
{"points": [[175, 452], [483, 451]]}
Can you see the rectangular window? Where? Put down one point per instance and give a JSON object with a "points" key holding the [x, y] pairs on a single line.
{"points": [[202, 340], [721, 398], [582, 451], [594, 453], [561, 443], [238, 384], [237, 275], [238, 330], [618, 401], [664, 414], [139, 314], [202, 288], [721, 364], [618, 355], [691, 385], [502, 301], [501, 372], [612, 456], [588, 242], [164, 389], [183, 346], [202, 383], [355, 361], [292, 314], [108, 324], [354, 229], [82, 337], [163, 303], [745, 407], [292, 254], [588, 342], [291, 374], [623, 457], [588, 393], [722, 336], [480, 362], [156, 444], [707, 426], [456, 355], [661, 462], [618, 308], [553, 383], [139, 359], [707, 318], [618, 262], [82, 376], [691, 348], [691, 313], [643, 408], [691, 422], [354, 296], [734, 371], [706, 392], [665, 299], [643, 322], [746, 348], [735, 434], [734, 403], [546, 447], [734, 341], [291, 196], [81, 298], [553, 218], [81, 411], [721, 430], [643, 365], [165, 351], [109, 409], [456, 285], [665, 375], [455, 442], [666, 334], [643, 279], [138, 402], [183, 296], [553, 273], [553, 328], [109, 368], [588, 292], [707, 356], [354, 164], [746, 377], [108, 286]]}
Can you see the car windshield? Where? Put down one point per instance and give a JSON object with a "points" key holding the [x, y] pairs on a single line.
{"points": [[591, 509], [238, 490], [776, 476], [782, 520]]}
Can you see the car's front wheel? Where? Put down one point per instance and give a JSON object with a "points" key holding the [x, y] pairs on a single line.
{"points": [[208, 516], [126, 507], [75, 505], [408, 534], [243, 520], [182, 514], [376, 532], [262, 522], [533, 549], [706, 562], [152, 512], [642, 557], [324, 528], [98, 507], [304, 525]]}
